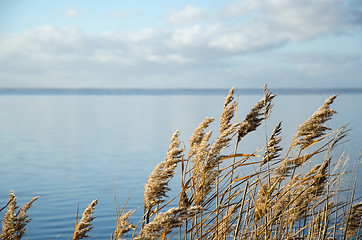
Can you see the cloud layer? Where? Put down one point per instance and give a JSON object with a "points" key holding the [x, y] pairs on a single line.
{"points": [[197, 43]]}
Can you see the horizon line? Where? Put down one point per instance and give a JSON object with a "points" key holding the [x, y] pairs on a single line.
{"points": [[173, 91]]}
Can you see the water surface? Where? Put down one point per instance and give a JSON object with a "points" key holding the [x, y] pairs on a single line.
{"points": [[72, 148]]}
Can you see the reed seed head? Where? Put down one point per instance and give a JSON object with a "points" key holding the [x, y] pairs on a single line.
{"points": [[156, 187], [228, 112], [14, 223], [273, 149], [123, 225], [163, 223], [268, 105], [9, 220], [355, 220], [255, 117], [313, 127], [85, 225], [198, 135]]}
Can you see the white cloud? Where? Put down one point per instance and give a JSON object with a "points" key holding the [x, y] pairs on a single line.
{"points": [[239, 7], [189, 52], [71, 12], [303, 19], [274, 23], [277, 23], [253, 25], [188, 15]]}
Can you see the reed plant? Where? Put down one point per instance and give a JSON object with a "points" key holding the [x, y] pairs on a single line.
{"points": [[226, 193], [15, 219]]}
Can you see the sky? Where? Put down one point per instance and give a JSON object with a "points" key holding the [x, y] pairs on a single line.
{"points": [[180, 44]]}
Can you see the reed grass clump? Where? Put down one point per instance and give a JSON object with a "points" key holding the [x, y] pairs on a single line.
{"points": [[15, 219], [295, 192]]}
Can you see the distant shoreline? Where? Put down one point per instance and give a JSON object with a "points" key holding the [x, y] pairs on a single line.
{"points": [[181, 91]]}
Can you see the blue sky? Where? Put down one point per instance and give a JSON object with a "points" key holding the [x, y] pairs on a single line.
{"points": [[187, 44]]}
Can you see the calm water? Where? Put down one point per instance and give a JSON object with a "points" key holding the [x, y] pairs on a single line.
{"points": [[70, 149]]}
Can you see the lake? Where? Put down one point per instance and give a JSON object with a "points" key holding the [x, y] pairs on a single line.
{"points": [[71, 147]]}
